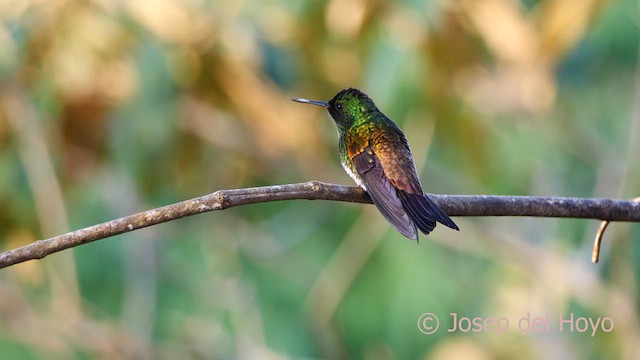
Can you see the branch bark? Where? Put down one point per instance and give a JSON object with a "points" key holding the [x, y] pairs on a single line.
{"points": [[454, 205]]}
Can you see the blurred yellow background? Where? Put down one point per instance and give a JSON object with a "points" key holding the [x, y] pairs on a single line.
{"points": [[113, 107]]}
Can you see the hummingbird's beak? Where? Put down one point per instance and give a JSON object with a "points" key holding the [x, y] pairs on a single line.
{"points": [[312, 102]]}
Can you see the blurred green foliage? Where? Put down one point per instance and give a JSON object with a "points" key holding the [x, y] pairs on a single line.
{"points": [[108, 108]]}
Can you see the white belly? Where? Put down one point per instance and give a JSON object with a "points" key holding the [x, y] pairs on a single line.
{"points": [[355, 177]]}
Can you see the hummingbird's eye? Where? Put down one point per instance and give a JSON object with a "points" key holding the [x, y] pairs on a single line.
{"points": [[339, 106]]}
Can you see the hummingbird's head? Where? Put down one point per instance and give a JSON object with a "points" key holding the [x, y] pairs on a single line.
{"points": [[346, 108]]}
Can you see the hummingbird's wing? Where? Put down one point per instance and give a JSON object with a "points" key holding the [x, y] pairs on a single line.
{"points": [[397, 163], [388, 150], [383, 193]]}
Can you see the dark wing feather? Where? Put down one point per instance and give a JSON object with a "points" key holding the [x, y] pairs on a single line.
{"points": [[397, 163], [383, 193]]}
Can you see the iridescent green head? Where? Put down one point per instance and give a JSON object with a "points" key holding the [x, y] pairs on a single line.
{"points": [[348, 107]]}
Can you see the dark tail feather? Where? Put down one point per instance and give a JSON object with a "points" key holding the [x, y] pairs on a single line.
{"points": [[419, 211], [444, 219], [424, 212]]}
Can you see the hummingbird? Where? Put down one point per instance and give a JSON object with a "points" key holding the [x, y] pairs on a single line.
{"points": [[375, 153]]}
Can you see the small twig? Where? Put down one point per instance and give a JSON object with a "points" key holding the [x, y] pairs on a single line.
{"points": [[454, 205], [595, 255]]}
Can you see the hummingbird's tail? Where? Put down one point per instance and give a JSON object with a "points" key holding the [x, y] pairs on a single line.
{"points": [[424, 212], [443, 218]]}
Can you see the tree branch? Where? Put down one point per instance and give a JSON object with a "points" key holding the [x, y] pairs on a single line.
{"points": [[454, 205]]}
